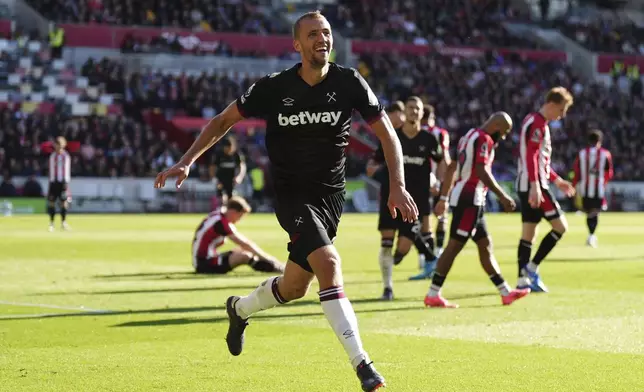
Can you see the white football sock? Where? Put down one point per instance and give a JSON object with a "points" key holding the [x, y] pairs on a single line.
{"points": [[265, 296], [386, 261], [532, 267], [340, 314]]}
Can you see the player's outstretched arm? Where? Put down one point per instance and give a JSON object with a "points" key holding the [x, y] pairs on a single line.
{"points": [[483, 172], [210, 134], [398, 196], [249, 246]]}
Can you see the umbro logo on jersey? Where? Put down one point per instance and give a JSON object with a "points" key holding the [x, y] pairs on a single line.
{"points": [[303, 118], [288, 101]]}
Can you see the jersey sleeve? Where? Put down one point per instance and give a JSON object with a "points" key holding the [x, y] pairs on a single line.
{"points": [[253, 102], [365, 101], [609, 171], [533, 145], [484, 146], [436, 150], [576, 172], [444, 140]]}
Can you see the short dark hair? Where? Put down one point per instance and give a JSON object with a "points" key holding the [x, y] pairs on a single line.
{"points": [[428, 110], [397, 106], [238, 204], [595, 136], [309, 15], [559, 95]]}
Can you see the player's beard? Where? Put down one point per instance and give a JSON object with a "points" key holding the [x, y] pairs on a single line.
{"points": [[318, 62]]}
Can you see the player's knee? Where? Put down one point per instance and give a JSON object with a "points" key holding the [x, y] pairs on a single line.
{"points": [[295, 291], [560, 226], [485, 245]]}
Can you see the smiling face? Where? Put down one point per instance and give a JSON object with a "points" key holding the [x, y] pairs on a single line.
{"points": [[413, 110], [313, 39]]}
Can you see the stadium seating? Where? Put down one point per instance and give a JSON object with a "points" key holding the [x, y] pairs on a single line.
{"points": [[200, 15], [448, 22], [603, 31]]}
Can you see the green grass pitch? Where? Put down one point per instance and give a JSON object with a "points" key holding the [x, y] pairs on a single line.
{"points": [[163, 327]]}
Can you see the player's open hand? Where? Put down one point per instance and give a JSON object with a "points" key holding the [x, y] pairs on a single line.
{"points": [[507, 203], [400, 199], [180, 171], [535, 197], [567, 188]]}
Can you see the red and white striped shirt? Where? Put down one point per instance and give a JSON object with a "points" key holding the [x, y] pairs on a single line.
{"points": [[210, 235], [593, 170], [60, 167], [475, 147], [442, 136], [535, 149]]}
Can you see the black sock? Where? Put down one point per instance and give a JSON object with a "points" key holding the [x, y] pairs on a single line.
{"points": [[500, 284], [592, 223], [440, 238], [398, 257], [63, 213], [424, 248], [548, 242], [429, 240], [525, 251], [52, 213], [263, 265], [437, 282]]}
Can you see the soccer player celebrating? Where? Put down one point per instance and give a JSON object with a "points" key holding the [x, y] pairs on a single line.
{"points": [[230, 169], [438, 171], [308, 110], [212, 233], [533, 183], [474, 178], [418, 147], [593, 170], [59, 178]]}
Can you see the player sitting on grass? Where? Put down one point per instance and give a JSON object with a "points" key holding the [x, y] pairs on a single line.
{"points": [[212, 233], [474, 170]]}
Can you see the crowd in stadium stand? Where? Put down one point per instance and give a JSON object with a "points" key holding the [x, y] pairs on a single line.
{"points": [[604, 33], [198, 15], [125, 146], [448, 22]]}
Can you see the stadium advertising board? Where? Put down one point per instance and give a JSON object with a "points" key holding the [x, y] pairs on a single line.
{"points": [[605, 61], [360, 46], [98, 36]]}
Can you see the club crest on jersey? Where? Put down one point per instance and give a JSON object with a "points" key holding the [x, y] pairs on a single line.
{"points": [[306, 117], [536, 135]]}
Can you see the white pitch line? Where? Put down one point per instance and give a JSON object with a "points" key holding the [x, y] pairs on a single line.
{"points": [[49, 306], [44, 315]]}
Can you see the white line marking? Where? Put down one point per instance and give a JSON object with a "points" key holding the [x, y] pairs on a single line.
{"points": [[44, 315], [29, 305]]}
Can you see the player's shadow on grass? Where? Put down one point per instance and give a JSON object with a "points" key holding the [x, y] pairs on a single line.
{"points": [[154, 291], [594, 260], [177, 275], [187, 321]]}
